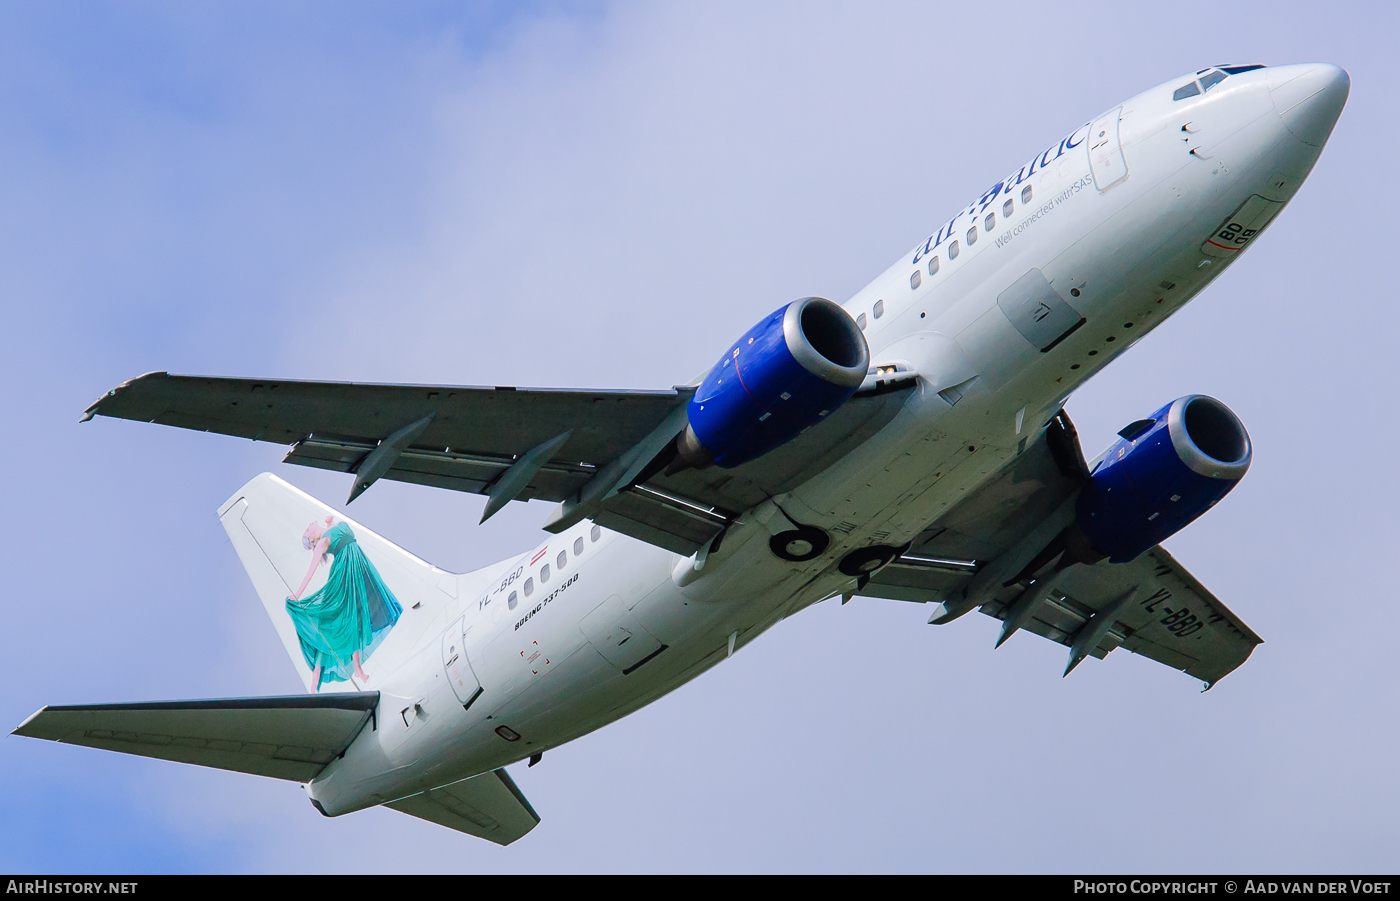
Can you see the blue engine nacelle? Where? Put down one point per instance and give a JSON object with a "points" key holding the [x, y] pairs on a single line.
{"points": [[783, 375], [1165, 472]]}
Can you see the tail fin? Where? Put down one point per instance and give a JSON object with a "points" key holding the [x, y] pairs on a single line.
{"points": [[364, 602]]}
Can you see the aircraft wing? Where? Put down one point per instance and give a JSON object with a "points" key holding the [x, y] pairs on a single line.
{"points": [[599, 453], [1151, 606], [291, 737], [489, 806], [475, 434]]}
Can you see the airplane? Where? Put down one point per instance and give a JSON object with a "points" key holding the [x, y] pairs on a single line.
{"points": [[910, 444]]}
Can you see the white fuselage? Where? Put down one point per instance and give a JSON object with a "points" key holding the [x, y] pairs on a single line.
{"points": [[623, 622]]}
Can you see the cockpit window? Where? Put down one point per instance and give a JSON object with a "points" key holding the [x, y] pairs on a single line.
{"points": [[1210, 78], [1187, 90]]}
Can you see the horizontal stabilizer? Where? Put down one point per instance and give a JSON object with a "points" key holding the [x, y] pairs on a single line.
{"points": [[488, 806], [283, 737]]}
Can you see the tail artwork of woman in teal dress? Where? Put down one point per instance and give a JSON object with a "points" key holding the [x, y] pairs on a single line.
{"points": [[341, 624]]}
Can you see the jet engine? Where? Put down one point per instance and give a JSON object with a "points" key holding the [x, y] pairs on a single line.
{"points": [[1164, 472], [784, 375]]}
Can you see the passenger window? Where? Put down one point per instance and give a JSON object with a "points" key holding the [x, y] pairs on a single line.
{"points": [[544, 574], [953, 251], [1186, 90], [514, 599], [1212, 80], [860, 321], [1026, 194], [880, 304], [594, 533], [990, 222], [1006, 208], [915, 279], [972, 235], [529, 587], [563, 558], [578, 546], [933, 265]]}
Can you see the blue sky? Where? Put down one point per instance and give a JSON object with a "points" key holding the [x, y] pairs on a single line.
{"points": [[604, 195]]}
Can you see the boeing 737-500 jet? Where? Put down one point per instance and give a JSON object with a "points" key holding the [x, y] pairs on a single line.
{"points": [[909, 444]]}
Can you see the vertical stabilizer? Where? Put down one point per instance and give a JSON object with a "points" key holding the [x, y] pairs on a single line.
{"points": [[348, 605]]}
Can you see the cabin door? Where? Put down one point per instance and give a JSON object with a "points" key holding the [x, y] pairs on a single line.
{"points": [[459, 671], [1106, 151]]}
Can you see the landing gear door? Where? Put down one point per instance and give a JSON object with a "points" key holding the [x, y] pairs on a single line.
{"points": [[1106, 152], [459, 671]]}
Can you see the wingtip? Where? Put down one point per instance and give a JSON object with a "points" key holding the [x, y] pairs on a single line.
{"points": [[20, 729], [93, 410], [95, 407]]}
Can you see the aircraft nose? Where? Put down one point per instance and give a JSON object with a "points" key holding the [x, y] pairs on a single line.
{"points": [[1309, 98]]}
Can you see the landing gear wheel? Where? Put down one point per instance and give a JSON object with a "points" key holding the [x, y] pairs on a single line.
{"points": [[863, 562], [799, 544]]}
